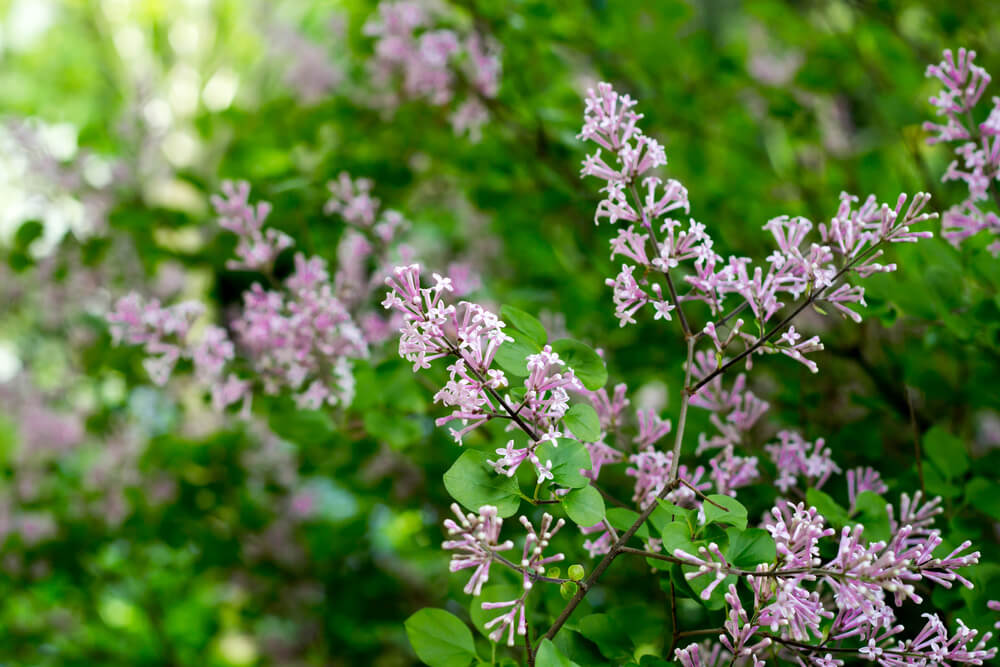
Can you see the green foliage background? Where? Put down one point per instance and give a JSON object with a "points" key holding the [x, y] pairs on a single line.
{"points": [[173, 584]]}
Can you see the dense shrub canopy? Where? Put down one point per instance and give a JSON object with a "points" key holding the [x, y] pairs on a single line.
{"points": [[225, 440]]}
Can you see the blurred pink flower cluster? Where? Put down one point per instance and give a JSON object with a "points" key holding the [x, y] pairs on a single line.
{"points": [[299, 334], [417, 57], [977, 145]]}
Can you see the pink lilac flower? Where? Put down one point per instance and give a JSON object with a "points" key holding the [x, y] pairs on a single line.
{"points": [[510, 622], [256, 248], [860, 480], [602, 544], [977, 147], [740, 631], [995, 606], [651, 428], [475, 539], [707, 654], [601, 454], [795, 457]]}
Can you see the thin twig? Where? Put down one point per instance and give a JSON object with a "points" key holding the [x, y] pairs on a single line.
{"points": [[916, 436], [666, 273]]}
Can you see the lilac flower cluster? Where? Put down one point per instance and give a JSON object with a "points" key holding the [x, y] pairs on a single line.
{"points": [[977, 146], [799, 594], [300, 334], [814, 268], [476, 543], [865, 580], [432, 62], [470, 334]]}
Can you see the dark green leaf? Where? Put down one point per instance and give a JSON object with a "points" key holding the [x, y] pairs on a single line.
{"points": [[748, 548], [946, 452], [609, 637], [982, 495]]}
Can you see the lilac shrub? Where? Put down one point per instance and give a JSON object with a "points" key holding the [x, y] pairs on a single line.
{"points": [[297, 335], [976, 143], [812, 582]]}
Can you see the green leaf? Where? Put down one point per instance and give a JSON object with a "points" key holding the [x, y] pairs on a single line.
{"points": [[440, 639], [582, 420], [473, 483], [586, 363], [622, 519], [873, 516], [549, 655], [666, 512], [938, 485], [982, 495], [584, 506], [512, 354], [525, 323], [827, 506], [750, 547], [609, 637], [677, 535], [568, 459], [946, 452], [734, 513]]}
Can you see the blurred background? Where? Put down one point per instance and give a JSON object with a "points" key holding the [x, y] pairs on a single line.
{"points": [[140, 526]]}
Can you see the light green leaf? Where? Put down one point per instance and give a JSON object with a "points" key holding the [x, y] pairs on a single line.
{"points": [[734, 513], [582, 420], [584, 506], [525, 323], [511, 355], [549, 655], [872, 514], [677, 535], [473, 483], [586, 363], [834, 513], [440, 639], [568, 459]]}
